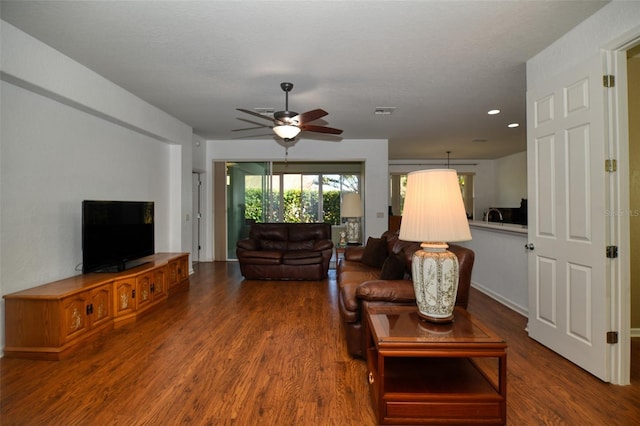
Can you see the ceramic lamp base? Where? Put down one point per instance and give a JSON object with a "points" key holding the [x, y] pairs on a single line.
{"points": [[353, 231], [434, 271]]}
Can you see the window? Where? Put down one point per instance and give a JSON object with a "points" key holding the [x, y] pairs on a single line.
{"points": [[398, 188]]}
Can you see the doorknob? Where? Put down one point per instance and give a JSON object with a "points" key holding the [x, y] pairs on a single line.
{"points": [[529, 246]]}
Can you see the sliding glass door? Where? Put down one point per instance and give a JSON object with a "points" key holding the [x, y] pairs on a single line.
{"points": [[285, 192], [248, 189]]}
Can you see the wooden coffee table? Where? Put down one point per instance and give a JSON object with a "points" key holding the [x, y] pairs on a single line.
{"points": [[426, 373]]}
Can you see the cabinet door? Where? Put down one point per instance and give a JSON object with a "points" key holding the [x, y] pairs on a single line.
{"points": [[124, 297], [183, 268], [143, 290], [100, 310], [159, 283], [74, 316], [172, 269]]}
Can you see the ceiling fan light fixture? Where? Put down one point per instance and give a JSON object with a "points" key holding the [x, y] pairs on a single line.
{"points": [[286, 131]]}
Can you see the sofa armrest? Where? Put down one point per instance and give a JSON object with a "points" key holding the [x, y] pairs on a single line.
{"points": [[322, 245], [354, 253], [247, 244], [386, 290]]}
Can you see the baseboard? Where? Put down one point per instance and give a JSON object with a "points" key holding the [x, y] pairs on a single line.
{"points": [[497, 297]]}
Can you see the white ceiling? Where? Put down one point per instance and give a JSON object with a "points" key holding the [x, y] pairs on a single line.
{"points": [[441, 64]]}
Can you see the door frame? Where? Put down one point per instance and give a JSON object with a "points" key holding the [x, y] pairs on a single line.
{"points": [[617, 125]]}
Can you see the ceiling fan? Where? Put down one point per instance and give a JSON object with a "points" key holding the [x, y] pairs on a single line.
{"points": [[288, 124]]}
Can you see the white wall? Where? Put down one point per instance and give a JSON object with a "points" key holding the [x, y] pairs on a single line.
{"points": [[372, 152], [484, 181], [199, 154], [500, 267], [67, 134], [601, 30], [511, 180]]}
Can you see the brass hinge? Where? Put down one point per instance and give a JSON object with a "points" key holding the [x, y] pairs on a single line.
{"points": [[610, 166], [609, 80], [612, 337], [612, 252]]}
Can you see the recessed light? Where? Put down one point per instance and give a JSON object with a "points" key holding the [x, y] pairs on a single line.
{"points": [[384, 110], [493, 111], [513, 125]]}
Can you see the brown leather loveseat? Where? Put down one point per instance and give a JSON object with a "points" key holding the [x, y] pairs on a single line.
{"points": [[286, 251], [379, 274]]}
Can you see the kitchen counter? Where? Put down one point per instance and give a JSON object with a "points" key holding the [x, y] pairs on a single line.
{"points": [[500, 268], [499, 226]]}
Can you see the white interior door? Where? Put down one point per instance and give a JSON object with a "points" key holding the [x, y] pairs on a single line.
{"points": [[568, 283]]}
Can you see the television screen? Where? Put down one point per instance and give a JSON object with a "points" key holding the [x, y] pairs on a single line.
{"points": [[115, 233]]}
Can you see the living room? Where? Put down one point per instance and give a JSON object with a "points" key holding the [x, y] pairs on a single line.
{"points": [[69, 134]]}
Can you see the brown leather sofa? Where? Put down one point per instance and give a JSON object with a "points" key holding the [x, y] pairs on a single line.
{"points": [[286, 251], [360, 284]]}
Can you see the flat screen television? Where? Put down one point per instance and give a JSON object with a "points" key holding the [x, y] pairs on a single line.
{"points": [[116, 234]]}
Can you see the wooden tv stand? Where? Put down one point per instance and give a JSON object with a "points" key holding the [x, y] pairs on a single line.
{"points": [[50, 321]]}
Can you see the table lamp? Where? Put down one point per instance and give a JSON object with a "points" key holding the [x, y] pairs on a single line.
{"points": [[434, 214], [352, 209]]}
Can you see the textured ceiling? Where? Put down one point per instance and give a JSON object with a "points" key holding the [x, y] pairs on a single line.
{"points": [[441, 64]]}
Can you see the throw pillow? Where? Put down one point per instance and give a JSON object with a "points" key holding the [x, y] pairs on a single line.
{"points": [[375, 252], [393, 268]]}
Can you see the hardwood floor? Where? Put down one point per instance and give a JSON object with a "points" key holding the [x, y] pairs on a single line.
{"points": [[231, 351]]}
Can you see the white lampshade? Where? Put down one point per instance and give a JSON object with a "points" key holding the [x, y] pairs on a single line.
{"points": [[433, 208], [287, 131], [434, 214], [351, 205]]}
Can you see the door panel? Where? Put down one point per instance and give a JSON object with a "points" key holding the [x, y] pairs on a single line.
{"points": [[241, 178], [545, 188], [568, 284]]}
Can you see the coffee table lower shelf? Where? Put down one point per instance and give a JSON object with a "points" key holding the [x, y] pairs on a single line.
{"points": [[444, 374], [434, 391]]}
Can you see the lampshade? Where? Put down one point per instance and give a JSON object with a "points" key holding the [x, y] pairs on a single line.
{"points": [[351, 205], [434, 214], [433, 208], [286, 131]]}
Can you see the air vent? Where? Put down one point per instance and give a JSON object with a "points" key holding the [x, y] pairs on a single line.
{"points": [[384, 110]]}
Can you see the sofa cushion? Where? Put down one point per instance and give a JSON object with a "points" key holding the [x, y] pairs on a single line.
{"points": [[269, 231], [300, 245], [262, 257], [375, 252], [393, 268], [387, 290], [309, 231], [345, 265], [301, 257], [273, 245]]}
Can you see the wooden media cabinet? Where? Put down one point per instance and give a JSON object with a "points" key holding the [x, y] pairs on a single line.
{"points": [[50, 321]]}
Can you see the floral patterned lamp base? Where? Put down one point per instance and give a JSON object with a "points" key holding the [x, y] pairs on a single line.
{"points": [[434, 270]]}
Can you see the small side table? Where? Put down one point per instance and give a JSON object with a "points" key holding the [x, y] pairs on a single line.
{"points": [[424, 373], [340, 250]]}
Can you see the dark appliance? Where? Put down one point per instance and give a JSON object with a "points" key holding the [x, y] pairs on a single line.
{"points": [[115, 234]]}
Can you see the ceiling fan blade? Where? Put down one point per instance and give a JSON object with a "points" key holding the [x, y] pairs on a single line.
{"points": [[249, 128], [309, 116], [256, 114], [255, 123], [262, 135], [321, 129]]}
